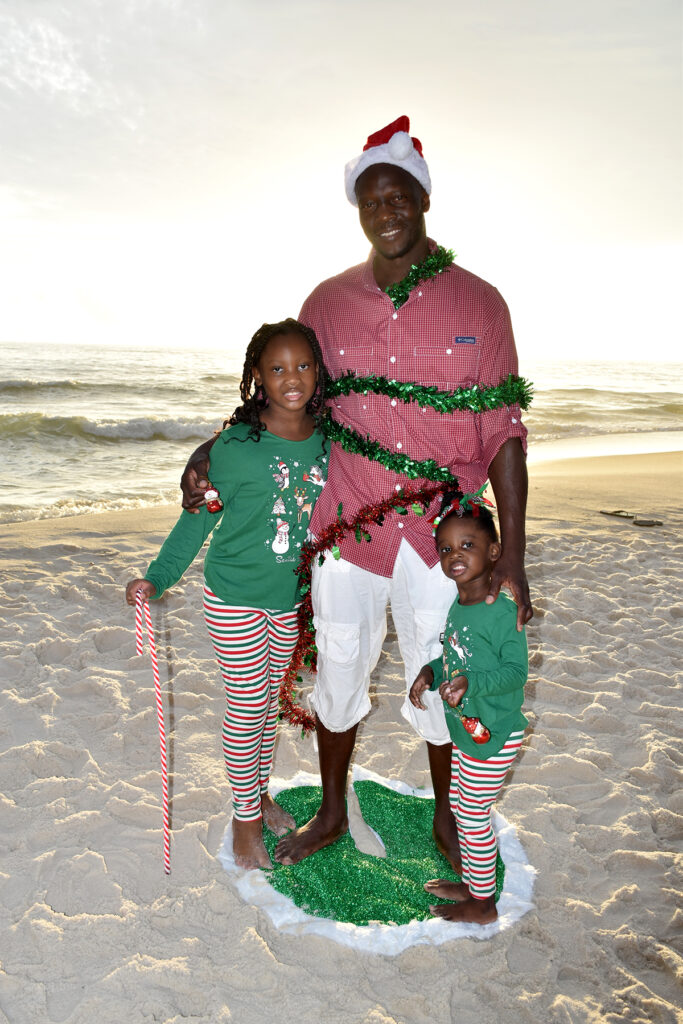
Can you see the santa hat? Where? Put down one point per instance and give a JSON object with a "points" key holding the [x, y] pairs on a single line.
{"points": [[390, 145]]}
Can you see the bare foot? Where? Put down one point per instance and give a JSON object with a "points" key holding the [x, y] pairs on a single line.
{"points": [[445, 836], [471, 910], [311, 837], [247, 845], [274, 817], [445, 890]]}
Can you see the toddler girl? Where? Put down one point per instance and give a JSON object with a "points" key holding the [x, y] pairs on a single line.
{"points": [[268, 465], [481, 678]]}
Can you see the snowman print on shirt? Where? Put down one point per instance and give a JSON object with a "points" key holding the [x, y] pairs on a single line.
{"points": [[280, 544]]}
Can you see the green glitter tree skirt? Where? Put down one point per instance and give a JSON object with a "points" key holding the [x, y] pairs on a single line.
{"points": [[344, 884]]}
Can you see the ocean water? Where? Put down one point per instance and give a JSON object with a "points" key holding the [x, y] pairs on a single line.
{"points": [[86, 429]]}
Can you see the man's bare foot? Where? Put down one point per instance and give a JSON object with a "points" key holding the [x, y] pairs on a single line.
{"points": [[247, 845], [445, 890], [470, 910], [277, 820], [311, 837], [445, 836]]}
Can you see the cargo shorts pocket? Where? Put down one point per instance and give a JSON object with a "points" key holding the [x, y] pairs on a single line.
{"points": [[428, 629], [338, 642]]}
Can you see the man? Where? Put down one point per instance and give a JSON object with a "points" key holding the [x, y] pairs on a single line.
{"points": [[446, 329]]}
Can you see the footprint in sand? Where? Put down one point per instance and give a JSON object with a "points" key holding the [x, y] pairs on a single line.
{"points": [[51, 652], [81, 885], [112, 638]]}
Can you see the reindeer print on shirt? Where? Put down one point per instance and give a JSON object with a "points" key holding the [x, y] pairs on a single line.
{"points": [[302, 505]]}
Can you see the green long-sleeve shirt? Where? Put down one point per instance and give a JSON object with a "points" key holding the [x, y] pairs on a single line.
{"points": [[268, 487], [481, 642]]}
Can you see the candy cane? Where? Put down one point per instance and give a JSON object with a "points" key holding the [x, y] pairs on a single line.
{"points": [[141, 604]]}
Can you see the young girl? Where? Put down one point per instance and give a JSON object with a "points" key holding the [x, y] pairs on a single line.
{"points": [[480, 676], [268, 465]]}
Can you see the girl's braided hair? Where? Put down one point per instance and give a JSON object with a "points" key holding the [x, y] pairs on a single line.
{"points": [[252, 404], [452, 504]]}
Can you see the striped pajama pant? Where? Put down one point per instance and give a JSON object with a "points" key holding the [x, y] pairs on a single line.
{"points": [[254, 649], [474, 788]]}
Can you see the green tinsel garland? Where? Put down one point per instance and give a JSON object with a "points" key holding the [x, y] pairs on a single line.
{"points": [[352, 441], [477, 398], [433, 264]]}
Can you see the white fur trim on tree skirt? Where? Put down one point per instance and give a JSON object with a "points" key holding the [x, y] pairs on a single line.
{"points": [[388, 940]]}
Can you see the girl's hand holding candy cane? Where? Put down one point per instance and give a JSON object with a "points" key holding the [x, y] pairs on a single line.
{"points": [[143, 587]]}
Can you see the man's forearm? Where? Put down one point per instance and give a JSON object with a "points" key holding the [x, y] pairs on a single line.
{"points": [[202, 452], [508, 477], [194, 480], [510, 484]]}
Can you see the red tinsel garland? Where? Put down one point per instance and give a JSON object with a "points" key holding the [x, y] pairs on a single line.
{"points": [[305, 652]]}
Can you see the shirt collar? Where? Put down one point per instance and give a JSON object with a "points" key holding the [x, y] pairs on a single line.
{"points": [[368, 278]]}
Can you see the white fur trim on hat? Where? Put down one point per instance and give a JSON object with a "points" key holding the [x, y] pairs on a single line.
{"points": [[399, 151]]}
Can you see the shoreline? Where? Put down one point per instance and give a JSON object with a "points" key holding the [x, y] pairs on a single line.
{"points": [[647, 467], [593, 446]]}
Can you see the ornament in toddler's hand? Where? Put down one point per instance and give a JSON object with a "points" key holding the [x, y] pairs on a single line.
{"points": [[476, 728]]}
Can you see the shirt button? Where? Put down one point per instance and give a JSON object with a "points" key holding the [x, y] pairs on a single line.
{"points": [[449, 351], [341, 351], [397, 487], [392, 359], [365, 406], [398, 444], [395, 316], [393, 402], [400, 526], [514, 420], [420, 294]]}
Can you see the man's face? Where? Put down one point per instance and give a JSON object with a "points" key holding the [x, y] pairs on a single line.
{"points": [[391, 207]]}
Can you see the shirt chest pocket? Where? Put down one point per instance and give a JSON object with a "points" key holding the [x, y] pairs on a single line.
{"points": [[357, 358], [448, 366]]}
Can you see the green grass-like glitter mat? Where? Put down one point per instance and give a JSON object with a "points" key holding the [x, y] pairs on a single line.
{"points": [[344, 884]]}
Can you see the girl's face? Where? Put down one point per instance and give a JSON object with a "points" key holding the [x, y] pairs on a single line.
{"points": [[466, 552], [288, 372]]}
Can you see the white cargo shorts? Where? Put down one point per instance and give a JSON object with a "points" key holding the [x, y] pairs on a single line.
{"points": [[350, 606]]}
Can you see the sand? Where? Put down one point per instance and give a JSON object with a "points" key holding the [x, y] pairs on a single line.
{"points": [[93, 932]]}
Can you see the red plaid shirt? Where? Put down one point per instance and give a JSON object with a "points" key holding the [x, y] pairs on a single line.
{"points": [[453, 331]]}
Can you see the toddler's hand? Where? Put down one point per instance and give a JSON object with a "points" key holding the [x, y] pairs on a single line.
{"points": [[424, 680], [136, 587], [453, 690]]}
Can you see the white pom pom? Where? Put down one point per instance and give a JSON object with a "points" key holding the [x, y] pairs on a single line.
{"points": [[400, 146]]}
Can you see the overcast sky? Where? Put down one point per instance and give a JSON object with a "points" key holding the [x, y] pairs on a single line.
{"points": [[171, 171]]}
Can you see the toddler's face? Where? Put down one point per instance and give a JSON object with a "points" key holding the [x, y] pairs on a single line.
{"points": [[465, 550]]}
